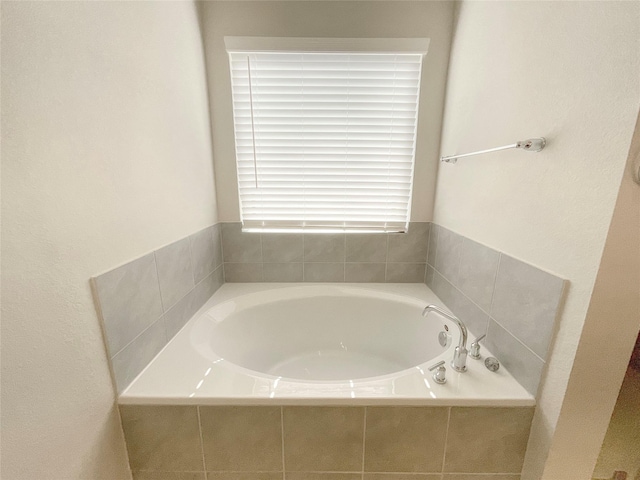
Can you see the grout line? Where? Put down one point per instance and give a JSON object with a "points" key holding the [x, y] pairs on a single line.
{"points": [[139, 335], [364, 436], [486, 330], [492, 298], [426, 260], [221, 250], [155, 265], [204, 463], [517, 339], [191, 263], [435, 252], [261, 259], [282, 439], [224, 262], [222, 471], [495, 281], [406, 474], [386, 261], [344, 258], [147, 253], [461, 292], [459, 259], [446, 439], [488, 475], [304, 256], [344, 244]]}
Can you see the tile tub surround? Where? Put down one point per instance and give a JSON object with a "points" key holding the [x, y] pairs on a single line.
{"points": [[315, 443], [144, 303], [316, 257], [514, 303]]}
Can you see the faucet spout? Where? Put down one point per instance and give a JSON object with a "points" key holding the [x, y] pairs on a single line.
{"points": [[459, 362]]}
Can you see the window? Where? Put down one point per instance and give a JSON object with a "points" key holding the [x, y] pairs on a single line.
{"points": [[325, 131]]}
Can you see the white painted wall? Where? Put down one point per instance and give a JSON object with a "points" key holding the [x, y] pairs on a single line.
{"points": [[328, 19], [612, 322], [106, 155], [568, 71]]}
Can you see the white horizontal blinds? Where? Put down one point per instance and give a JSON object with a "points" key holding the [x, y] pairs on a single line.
{"points": [[325, 140]]}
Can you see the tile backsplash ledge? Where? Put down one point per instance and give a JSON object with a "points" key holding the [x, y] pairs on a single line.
{"points": [[513, 302], [144, 303], [319, 257]]}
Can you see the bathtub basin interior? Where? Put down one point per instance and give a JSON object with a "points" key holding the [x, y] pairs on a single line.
{"points": [[317, 344], [320, 333]]}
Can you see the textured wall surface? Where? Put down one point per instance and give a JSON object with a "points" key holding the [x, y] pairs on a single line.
{"points": [[613, 320], [568, 71], [328, 19], [106, 155]]}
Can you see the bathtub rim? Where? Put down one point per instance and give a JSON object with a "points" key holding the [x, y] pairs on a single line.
{"points": [[137, 394]]}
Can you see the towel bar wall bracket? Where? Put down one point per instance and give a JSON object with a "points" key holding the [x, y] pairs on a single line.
{"points": [[529, 145]]}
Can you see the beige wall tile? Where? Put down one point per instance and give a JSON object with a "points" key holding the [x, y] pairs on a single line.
{"points": [[129, 300], [243, 272], [402, 476], [162, 438], [174, 272], [203, 254], [364, 272], [282, 247], [239, 246], [242, 438], [433, 244], [322, 476], [405, 439], [405, 272], [411, 246], [448, 246], [526, 302], [133, 358], [282, 272], [323, 438], [244, 475], [525, 366], [477, 274], [147, 475], [487, 439], [322, 247], [324, 272], [366, 247], [481, 476]]}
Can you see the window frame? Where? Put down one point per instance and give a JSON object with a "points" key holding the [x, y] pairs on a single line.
{"points": [[249, 45]]}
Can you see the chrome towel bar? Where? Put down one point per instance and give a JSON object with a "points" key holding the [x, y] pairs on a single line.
{"points": [[530, 145]]}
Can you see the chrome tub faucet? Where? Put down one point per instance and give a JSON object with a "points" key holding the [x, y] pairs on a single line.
{"points": [[459, 362]]}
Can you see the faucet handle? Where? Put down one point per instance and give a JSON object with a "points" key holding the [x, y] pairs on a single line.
{"points": [[440, 372], [475, 348]]}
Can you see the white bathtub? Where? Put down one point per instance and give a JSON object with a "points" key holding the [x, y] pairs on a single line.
{"points": [[356, 344]]}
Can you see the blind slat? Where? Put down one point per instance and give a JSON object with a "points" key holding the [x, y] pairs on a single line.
{"points": [[325, 140]]}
